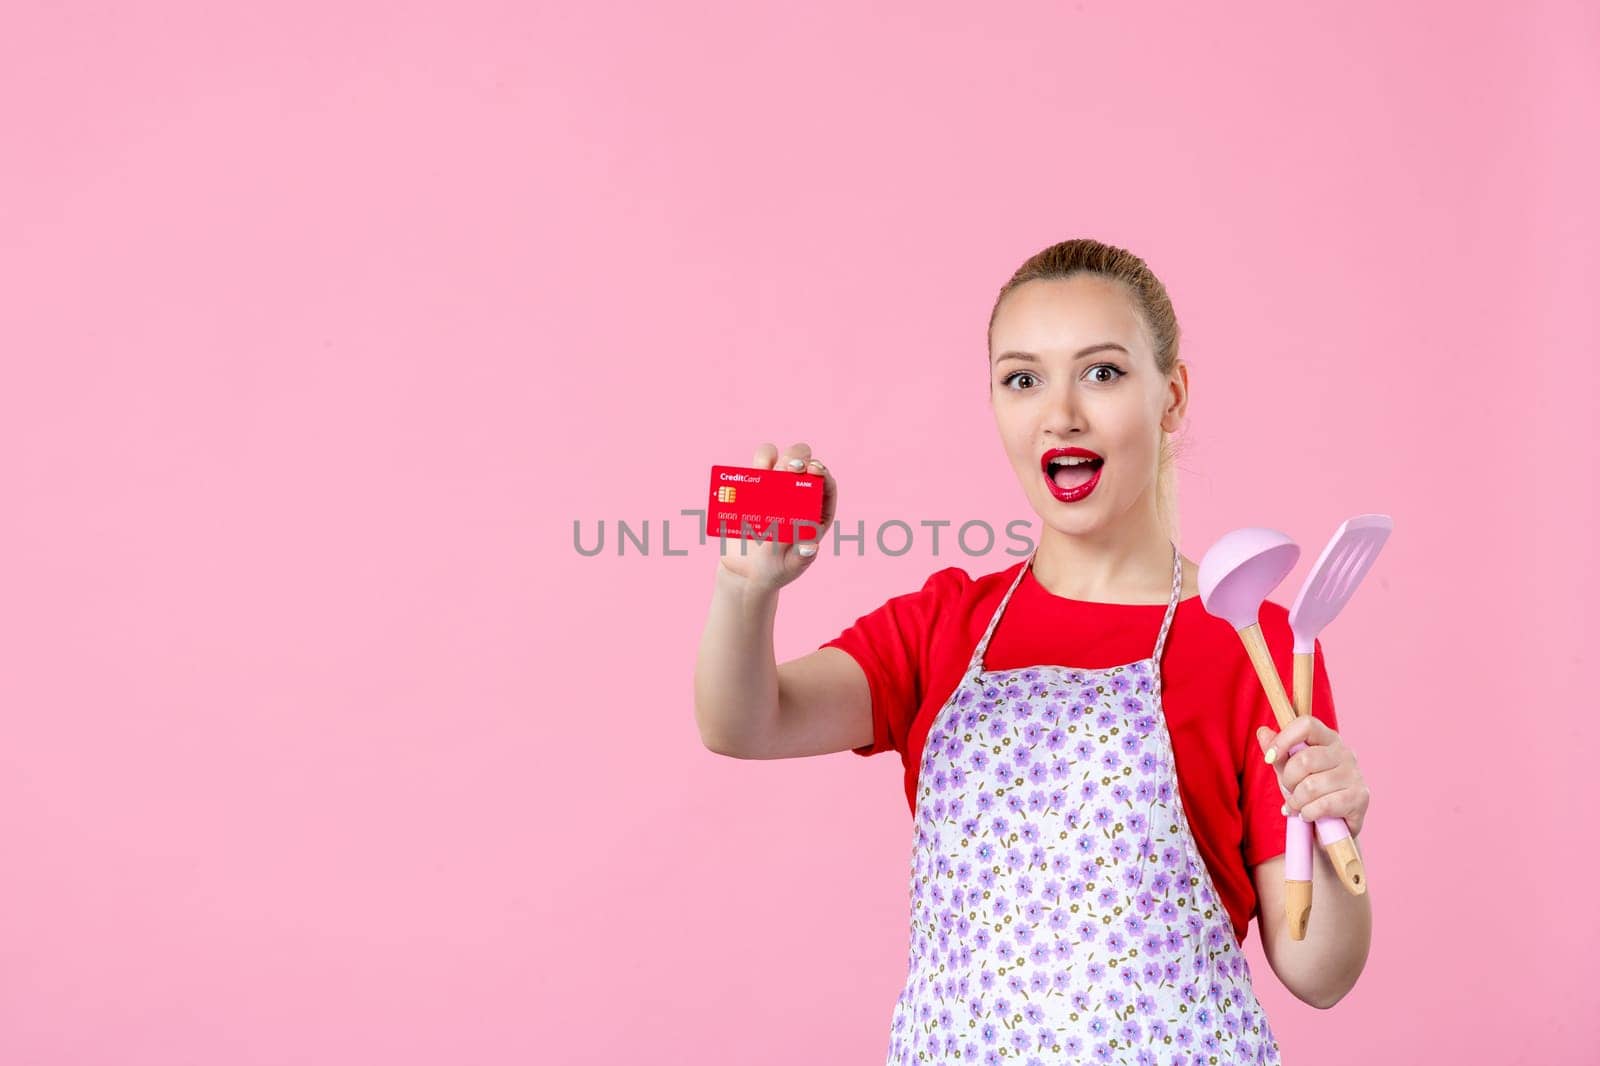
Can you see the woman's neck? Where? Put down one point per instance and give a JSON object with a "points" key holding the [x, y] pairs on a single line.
{"points": [[1129, 564]]}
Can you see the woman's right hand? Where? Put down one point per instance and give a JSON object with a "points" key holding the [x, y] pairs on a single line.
{"points": [[769, 564]]}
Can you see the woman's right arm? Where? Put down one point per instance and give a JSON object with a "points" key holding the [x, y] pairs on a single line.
{"points": [[747, 705]]}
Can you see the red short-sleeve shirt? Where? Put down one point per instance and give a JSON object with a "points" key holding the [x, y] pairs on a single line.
{"points": [[915, 648]]}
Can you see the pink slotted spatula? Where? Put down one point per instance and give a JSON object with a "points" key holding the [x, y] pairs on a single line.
{"points": [[1328, 587]]}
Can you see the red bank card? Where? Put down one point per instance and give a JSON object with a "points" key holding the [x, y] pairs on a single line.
{"points": [[746, 501]]}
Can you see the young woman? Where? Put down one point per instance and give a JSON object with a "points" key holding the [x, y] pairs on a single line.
{"points": [[1091, 830]]}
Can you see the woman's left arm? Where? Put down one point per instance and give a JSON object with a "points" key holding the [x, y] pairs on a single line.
{"points": [[1320, 781]]}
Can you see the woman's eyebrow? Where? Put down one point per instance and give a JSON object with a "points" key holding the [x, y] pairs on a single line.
{"points": [[1029, 357]]}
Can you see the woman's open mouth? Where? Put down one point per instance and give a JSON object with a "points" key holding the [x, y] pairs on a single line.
{"points": [[1071, 473]]}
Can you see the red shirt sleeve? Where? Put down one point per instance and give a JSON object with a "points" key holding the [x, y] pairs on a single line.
{"points": [[1260, 796], [891, 644]]}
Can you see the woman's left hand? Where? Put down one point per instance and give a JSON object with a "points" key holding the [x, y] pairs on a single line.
{"points": [[1321, 780]]}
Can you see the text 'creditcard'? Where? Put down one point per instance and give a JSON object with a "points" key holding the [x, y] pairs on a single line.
{"points": [[754, 503]]}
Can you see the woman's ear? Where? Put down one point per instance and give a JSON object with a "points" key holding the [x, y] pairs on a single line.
{"points": [[1178, 398]]}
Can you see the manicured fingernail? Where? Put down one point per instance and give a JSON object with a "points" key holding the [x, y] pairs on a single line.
{"points": [[808, 550], [1272, 753], [1285, 808], [797, 464]]}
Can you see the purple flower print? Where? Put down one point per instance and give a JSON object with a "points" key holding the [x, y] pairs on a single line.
{"points": [[1084, 750], [1013, 691], [1130, 744], [1056, 738], [1132, 705], [1089, 789], [1121, 683], [1076, 711], [1105, 719]]}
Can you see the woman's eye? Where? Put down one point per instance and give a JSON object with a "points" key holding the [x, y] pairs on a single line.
{"points": [[1107, 366], [1014, 375]]}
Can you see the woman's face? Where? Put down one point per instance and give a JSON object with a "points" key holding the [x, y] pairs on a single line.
{"points": [[1070, 366]]}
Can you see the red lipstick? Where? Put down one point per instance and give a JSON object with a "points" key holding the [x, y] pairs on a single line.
{"points": [[1076, 492]]}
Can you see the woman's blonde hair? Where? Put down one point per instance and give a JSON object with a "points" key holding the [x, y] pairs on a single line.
{"points": [[1085, 256]]}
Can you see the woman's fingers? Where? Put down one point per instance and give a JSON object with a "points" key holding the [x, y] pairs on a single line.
{"points": [[830, 492], [794, 457]]}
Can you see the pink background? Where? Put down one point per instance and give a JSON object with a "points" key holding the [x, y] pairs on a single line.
{"points": [[322, 324]]}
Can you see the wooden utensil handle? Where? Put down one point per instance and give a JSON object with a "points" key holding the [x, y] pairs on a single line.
{"points": [[1337, 843], [1256, 645]]}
